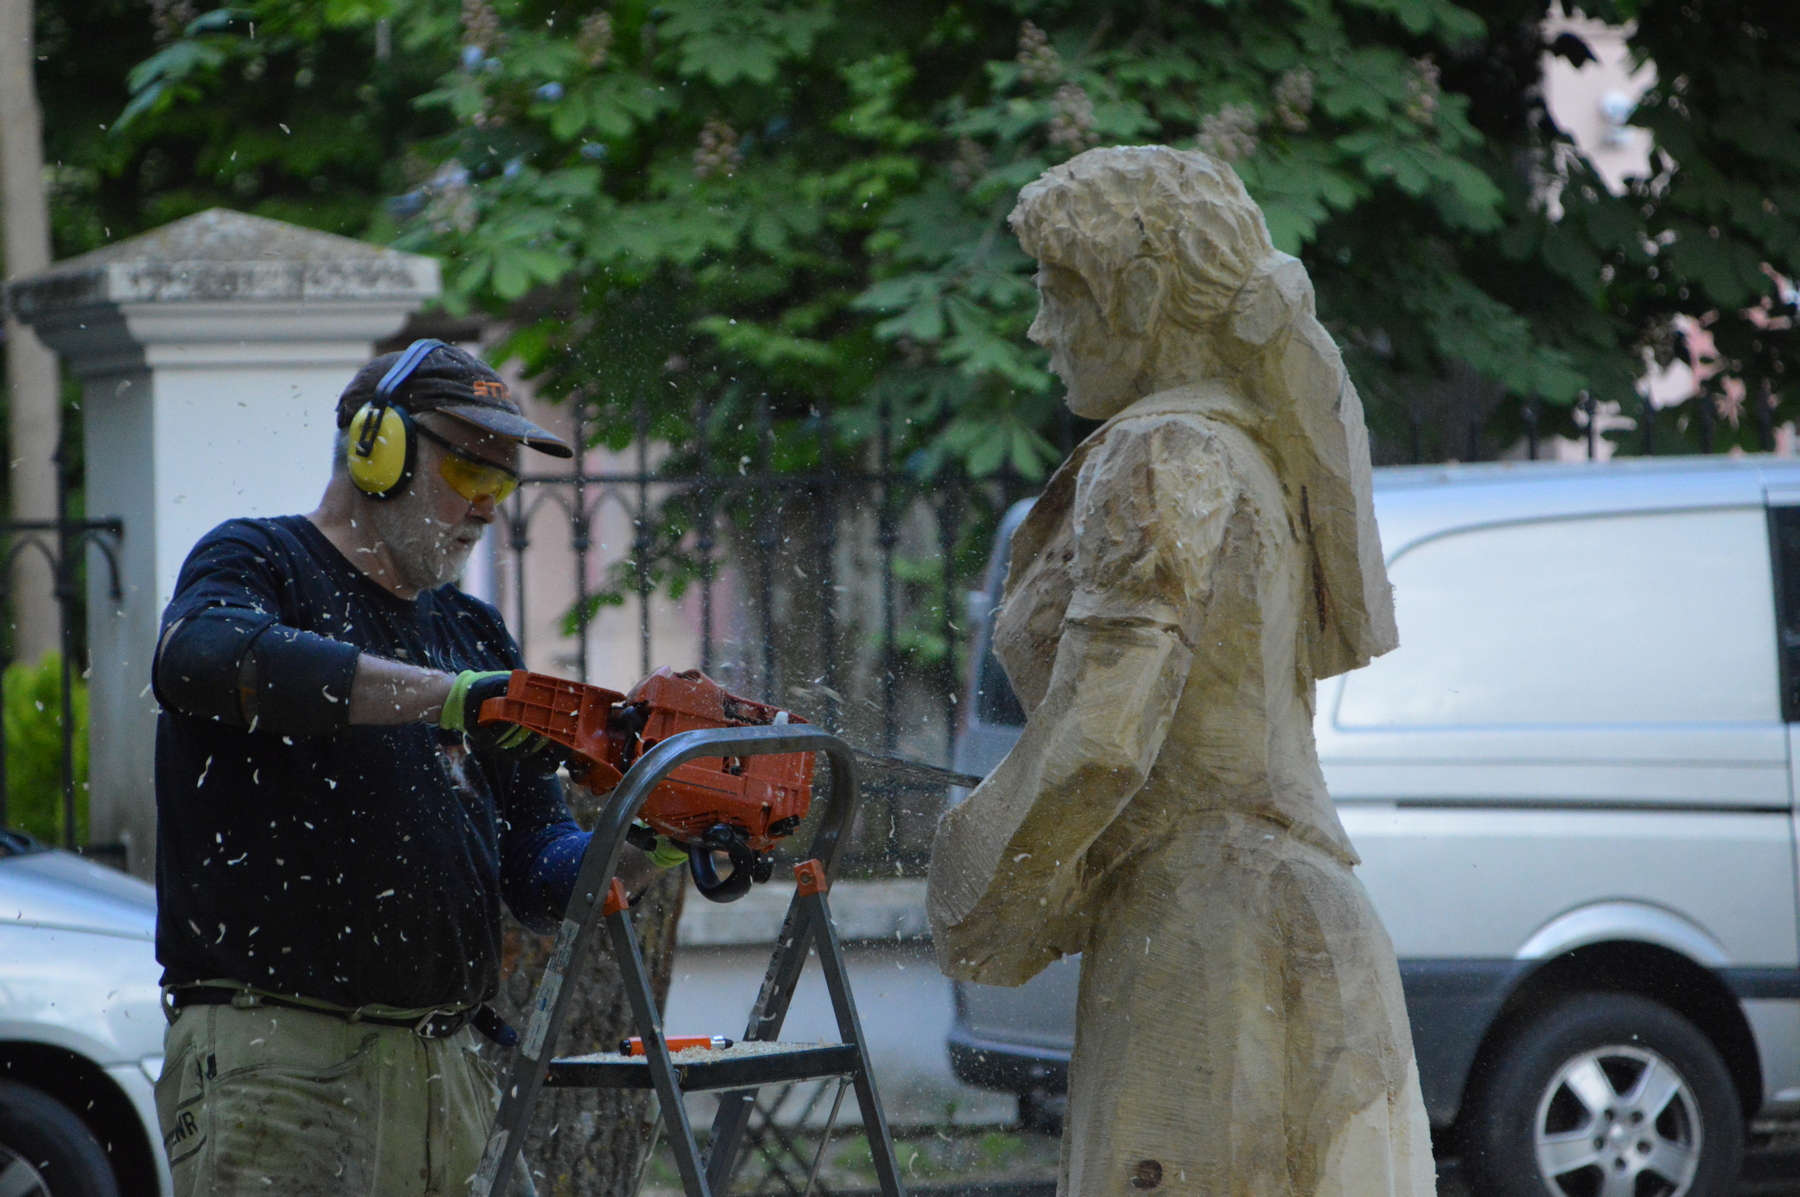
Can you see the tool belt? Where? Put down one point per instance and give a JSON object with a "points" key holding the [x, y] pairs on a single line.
{"points": [[440, 1023]]}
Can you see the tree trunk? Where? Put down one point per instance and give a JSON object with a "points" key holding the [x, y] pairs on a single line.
{"points": [[590, 1142], [30, 368]]}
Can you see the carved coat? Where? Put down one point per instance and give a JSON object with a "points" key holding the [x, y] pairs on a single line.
{"points": [[1240, 1028]]}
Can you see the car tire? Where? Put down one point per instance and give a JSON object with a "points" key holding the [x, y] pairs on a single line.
{"points": [[1604, 1094], [42, 1140]]}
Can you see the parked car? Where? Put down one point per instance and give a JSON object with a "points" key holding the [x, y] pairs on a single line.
{"points": [[80, 1028], [1572, 788]]}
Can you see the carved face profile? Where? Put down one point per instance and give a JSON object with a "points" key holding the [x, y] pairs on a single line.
{"points": [[1142, 249], [1099, 361]]}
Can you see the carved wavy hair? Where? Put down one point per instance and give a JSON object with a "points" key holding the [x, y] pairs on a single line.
{"points": [[1100, 210]]}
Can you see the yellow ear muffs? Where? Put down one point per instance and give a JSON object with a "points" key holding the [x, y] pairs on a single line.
{"points": [[381, 459]]}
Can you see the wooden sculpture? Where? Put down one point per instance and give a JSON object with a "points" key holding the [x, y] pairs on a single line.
{"points": [[1188, 574]]}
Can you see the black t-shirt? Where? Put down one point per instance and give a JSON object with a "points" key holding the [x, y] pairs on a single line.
{"points": [[368, 865]]}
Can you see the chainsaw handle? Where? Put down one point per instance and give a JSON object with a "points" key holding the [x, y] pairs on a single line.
{"points": [[706, 875], [657, 763]]}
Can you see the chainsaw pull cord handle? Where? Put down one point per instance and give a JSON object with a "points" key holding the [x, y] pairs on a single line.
{"points": [[721, 837]]}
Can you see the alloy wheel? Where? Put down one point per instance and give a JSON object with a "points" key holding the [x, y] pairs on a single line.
{"points": [[1618, 1121], [18, 1178]]}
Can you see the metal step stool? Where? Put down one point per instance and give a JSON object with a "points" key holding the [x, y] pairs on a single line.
{"points": [[759, 1059]]}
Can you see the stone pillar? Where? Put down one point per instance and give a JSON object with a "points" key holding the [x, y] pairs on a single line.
{"points": [[211, 354], [35, 406]]}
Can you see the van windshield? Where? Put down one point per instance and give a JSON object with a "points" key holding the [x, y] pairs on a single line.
{"points": [[995, 702]]}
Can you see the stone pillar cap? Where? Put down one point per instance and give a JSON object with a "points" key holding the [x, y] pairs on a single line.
{"points": [[221, 256]]}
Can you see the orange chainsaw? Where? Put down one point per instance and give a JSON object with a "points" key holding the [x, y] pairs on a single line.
{"points": [[737, 805]]}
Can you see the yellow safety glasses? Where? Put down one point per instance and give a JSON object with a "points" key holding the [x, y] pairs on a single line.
{"points": [[472, 477]]}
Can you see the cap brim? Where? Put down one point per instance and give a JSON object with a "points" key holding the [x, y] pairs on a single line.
{"points": [[510, 425]]}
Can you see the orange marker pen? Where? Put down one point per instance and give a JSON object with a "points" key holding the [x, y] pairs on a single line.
{"points": [[634, 1046]]}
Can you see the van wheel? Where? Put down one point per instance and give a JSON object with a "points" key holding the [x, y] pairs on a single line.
{"points": [[1604, 1095], [46, 1151]]}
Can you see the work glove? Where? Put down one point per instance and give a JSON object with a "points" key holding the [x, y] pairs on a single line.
{"points": [[663, 852], [507, 741]]}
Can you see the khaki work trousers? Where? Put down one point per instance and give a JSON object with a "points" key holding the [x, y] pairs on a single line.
{"points": [[287, 1103]]}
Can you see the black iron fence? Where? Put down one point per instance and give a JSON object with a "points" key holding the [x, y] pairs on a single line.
{"points": [[835, 588], [63, 545]]}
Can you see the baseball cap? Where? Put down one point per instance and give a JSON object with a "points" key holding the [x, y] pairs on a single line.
{"points": [[458, 384]]}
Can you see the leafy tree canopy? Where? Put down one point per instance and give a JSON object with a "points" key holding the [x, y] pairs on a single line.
{"points": [[291, 114], [720, 200]]}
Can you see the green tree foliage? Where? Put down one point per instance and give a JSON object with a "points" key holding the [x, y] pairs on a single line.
{"points": [[808, 202], [1722, 210], [701, 202], [33, 719], [289, 110]]}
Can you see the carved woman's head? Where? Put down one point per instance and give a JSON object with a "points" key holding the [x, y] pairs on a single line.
{"points": [[1141, 251], [1156, 270]]}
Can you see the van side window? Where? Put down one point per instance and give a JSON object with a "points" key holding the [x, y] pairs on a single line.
{"points": [[1656, 618], [1784, 533]]}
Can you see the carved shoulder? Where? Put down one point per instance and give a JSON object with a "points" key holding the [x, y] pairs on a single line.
{"points": [[1149, 513]]}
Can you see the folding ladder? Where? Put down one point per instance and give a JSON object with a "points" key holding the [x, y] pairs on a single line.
{"points": [[738, 1070]]}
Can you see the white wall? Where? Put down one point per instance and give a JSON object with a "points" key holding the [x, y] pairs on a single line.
{"points": [[211, 353], [196, 435], [195, 413], [242, 440]]}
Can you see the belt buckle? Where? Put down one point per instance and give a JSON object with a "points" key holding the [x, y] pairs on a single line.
{"points": [[243, 999]]}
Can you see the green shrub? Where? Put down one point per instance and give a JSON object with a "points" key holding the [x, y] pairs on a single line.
{"points": [[33, 713]]}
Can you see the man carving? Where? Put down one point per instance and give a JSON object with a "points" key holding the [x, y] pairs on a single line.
{"points": [[1186, 577]]}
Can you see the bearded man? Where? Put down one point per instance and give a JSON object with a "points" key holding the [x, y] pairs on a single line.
{"points": [[336, 831]]}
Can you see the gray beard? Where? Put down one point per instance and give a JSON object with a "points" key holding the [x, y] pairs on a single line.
{"points": [[425, 552]]}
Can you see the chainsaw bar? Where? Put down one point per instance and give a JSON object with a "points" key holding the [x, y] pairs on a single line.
{"points": [[913, 772]]}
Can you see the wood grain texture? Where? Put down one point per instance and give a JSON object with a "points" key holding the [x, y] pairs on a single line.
{"points": [[1185, 578]]}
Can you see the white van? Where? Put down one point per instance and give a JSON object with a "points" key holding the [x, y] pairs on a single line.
{"points": [[1572, 788]]}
